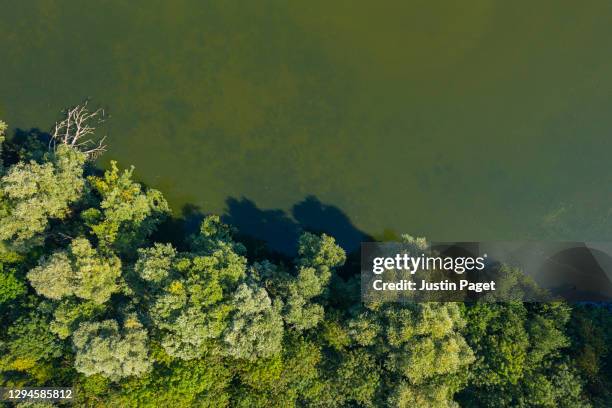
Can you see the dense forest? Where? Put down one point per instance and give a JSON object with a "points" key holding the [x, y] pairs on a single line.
{"points": [[94, 297]]}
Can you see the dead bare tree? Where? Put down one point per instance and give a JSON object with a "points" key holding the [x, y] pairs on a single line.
{"points": [[77, 128]]}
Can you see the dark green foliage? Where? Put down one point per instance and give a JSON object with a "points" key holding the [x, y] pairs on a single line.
{"points": [[28, 348], [88, 299], [590, 330], [521, 362]]}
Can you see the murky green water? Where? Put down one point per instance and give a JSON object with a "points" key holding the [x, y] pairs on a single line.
{"points": [[456, 120]]}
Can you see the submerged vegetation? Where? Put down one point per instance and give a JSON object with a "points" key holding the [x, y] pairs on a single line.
{"points": [[89, 299]]}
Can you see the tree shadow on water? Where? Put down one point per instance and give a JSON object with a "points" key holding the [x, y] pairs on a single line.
{"points": [[177, 228], [271, 233], [315, 216], [273, 227], [275, 231]]}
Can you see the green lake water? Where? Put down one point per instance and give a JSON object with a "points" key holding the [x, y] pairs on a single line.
{"points": [[479, 120]]}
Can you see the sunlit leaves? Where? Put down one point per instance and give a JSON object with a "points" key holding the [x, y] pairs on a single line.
{"points": [[32, 193], [103, 348], [81, 271], [127, 213], [256, 328]]}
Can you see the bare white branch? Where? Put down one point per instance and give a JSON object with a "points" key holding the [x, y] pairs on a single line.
{"points": [[77, 128]]}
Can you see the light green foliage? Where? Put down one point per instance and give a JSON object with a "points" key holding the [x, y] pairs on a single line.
{"points": [[303, 292], [414, 353], [189, 311], [512, 284], [95, 275], [53, 278], [81, 271], [406, 395], [126, 214], [431, 357], [102, 348], [190, 295], [155, 264], [425, 341], [32, 193], [318, 256], [300, 313], [365, 329], [215, 240], [320, 252], [214, 235], [425, 346], [256, 329]]}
